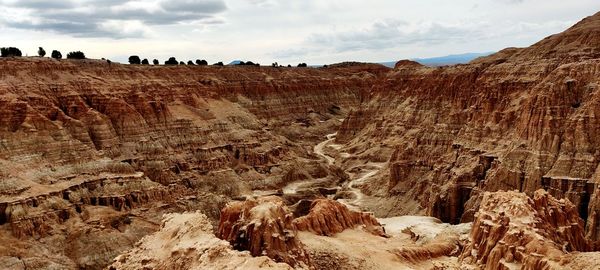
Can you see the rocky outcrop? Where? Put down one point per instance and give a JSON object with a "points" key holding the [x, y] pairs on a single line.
{"points": [[263, 227], [266, 226], [185, 241], [513, 229], [327, 217], [35, 215]]}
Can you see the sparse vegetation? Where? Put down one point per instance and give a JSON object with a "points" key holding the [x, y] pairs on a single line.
{"points": [[218, 64], [10, 52], [190, 63], [134, 60], [41, 52], [171, 61], [302, 65], [181, 63], [155, 62], [145, 62], [249, 63], [76, 55], [201, 62], [56, 54]]}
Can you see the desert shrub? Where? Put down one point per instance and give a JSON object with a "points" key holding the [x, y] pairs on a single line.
{"points": [[171, 61], [145, 62], [302, 65], [76, 55], [218, 64], [134, 60], [201, 62], [56, 54], [41, 52], [10, 52], [155, 62], [190, 63], [181, 63]]}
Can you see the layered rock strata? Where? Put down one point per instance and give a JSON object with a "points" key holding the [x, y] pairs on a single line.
{"points": [[185, 241], [511, 229], [521, 119], [266, 226]]}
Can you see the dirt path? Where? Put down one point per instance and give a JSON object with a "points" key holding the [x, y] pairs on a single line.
{"points": [[318, 149], [368, 170]]}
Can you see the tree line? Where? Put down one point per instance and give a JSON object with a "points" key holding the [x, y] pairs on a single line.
{"points": [[15, 52], [133, 60]]}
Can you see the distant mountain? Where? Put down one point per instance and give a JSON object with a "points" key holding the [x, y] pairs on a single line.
{"points": [[235, 62], [445, 60]]}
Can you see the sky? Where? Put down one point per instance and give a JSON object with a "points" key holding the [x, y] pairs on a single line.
{"points": [[283, 31]]}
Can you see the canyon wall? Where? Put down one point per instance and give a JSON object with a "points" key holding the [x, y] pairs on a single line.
{"points": [[92, 148], [521, 119]]}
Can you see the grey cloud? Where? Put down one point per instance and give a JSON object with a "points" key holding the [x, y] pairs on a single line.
{"points": [[194, 6], [390, 34], [40, 4], [85, 18]]}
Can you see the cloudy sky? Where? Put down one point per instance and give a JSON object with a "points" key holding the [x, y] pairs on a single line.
{"points": [[286, 31]]}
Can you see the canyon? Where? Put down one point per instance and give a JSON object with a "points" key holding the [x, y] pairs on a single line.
{"points": [[486, 165]]}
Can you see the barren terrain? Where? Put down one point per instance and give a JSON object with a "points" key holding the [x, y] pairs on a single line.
{"points": [[487, 165]]}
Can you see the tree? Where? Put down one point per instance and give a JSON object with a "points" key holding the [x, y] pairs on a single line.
{"points": [[41, 52], [201, 62], [134, 60], [10, 52], [155, 62], [171, 61], [76, 55], [275, 64], [218, 64], [289, 65], [145, 62], [190, 63], [56, 54], [302, 65]]}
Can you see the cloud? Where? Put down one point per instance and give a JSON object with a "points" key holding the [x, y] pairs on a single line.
{"points": [[385, 34], [109, 18]]}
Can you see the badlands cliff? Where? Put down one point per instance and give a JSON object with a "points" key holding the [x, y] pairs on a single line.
{"points": [[520, 119], [282, 162]]}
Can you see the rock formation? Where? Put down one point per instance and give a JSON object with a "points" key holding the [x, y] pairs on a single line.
{"points": [[328, 217], [266, 226], [186, 241], [521, 119], [512, 229], [263, 227], [91, 151], [80, 135]]}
